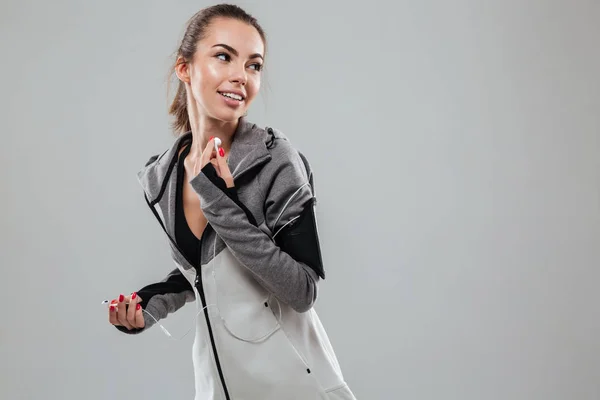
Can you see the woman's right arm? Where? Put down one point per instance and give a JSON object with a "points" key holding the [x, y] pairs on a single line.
{"points": [[158, 299]]}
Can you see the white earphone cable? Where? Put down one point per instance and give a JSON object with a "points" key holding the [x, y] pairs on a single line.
{"points": [[167, 332]]}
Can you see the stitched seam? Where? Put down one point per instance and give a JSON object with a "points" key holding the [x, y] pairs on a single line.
{"points": [[338, 387]]}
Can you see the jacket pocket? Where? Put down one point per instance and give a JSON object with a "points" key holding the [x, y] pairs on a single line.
{"points": [[270, 369], [259, 359], [242, 303]]}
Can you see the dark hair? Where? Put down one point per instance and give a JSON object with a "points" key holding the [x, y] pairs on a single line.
{"points": [[196, 29]]}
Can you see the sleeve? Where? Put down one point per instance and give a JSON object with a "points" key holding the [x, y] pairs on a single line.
{"points": [[162, 298], [279, 263]]}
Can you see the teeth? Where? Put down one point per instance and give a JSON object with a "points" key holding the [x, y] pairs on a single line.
{"points": [[233, 96]]}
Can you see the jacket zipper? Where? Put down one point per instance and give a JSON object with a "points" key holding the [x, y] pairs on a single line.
{"points": [[199, 285]]}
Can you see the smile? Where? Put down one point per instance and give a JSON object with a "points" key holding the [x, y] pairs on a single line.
{"points": [[232, 96]]}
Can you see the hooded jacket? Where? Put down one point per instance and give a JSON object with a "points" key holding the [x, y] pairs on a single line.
{"points": [[258, 335]]}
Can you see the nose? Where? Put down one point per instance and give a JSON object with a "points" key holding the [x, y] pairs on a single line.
{"points": [[239, 76]]}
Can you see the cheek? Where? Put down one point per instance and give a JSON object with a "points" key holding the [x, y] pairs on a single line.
{"points": [[207, 79], [211, 72], [253, 86]]}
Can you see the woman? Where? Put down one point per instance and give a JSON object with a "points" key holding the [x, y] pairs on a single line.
{"points": [[241, 226]]}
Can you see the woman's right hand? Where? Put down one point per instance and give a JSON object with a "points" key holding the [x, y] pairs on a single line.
{"points": [[126, 311]]}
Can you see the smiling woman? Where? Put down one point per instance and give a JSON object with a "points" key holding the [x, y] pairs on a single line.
{"points": [[240, 218], [219, 54]]}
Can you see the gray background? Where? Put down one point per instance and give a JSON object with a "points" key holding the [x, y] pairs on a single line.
{"points": [[456, 147]]}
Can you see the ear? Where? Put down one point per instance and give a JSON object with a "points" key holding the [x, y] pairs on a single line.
{"points": [[182, 69]]}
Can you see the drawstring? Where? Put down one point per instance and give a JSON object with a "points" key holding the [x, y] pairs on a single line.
{"points": [[271, 140]]}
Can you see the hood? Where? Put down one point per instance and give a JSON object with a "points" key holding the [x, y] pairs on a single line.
{"points": [[248, 150]]}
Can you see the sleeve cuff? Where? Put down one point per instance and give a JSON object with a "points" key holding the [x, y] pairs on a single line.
{"points": [[210, 187]]}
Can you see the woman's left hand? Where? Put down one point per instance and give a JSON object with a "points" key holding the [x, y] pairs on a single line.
{"points": [[217, 159]]}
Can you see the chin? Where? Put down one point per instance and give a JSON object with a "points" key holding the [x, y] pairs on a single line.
{"points": [[228, 115]]}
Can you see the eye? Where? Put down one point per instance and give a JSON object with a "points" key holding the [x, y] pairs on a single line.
{"points": [[256, 66], [223, 56]]}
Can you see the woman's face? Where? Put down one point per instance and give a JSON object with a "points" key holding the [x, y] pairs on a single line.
{"points": [[225, 73]]}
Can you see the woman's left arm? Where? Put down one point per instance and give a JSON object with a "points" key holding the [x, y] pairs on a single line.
{"points": [[290, 264]]}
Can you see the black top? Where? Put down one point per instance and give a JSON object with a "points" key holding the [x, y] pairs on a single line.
{"points": [[185, 238]]}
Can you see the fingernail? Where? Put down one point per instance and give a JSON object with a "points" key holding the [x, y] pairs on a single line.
{"points": [[221, 152], [121, 298], [134, 295], [211, 138], [112, 308], [138, 306]]}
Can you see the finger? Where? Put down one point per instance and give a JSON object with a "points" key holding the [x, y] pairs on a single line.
{"points": [[122, 312], [225, 173], [131, 308], [112, 313], [207, 153], [215, 164], [139, 316]]}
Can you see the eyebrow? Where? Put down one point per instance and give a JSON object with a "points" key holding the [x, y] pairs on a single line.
{"points": [[235, 52]]}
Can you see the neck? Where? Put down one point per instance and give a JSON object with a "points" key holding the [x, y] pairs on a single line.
{"points": [[205, 127]]}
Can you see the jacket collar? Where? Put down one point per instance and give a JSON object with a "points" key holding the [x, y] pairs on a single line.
{"points": [[248, 150]]}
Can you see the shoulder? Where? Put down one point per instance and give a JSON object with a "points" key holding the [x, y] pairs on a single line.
{"points": [[288, 166], [153, 158], [283, 152], [173, 149]]}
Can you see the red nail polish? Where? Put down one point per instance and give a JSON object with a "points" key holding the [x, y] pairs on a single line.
{"points": [[112, 308], [138, 306], [211, 138], [221, 152], [121, 298], [134, 295]]}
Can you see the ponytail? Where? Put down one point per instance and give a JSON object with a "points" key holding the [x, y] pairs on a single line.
{"points": [[178, 109]]}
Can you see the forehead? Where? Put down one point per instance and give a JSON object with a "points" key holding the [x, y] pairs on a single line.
{"points": [[237, 34]]}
